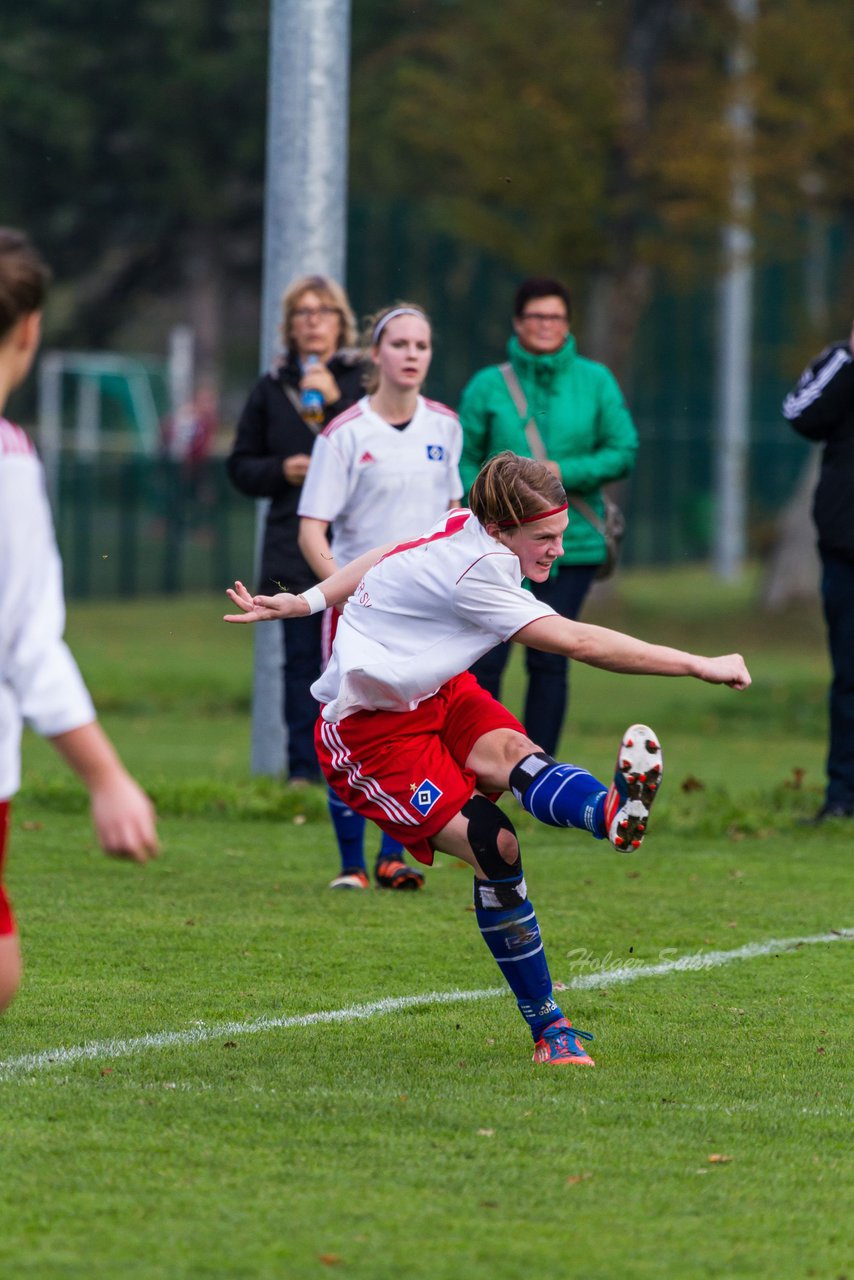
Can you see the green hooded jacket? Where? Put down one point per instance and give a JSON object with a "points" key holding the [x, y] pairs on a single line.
{"points": [[582, 418]]}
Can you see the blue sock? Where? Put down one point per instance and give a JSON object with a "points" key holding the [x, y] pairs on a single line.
{"points": [[513, 936], [389, 848], [349, 832], [561, 795]]}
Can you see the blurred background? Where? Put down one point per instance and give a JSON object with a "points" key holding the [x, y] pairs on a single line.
{"points": [[637, 149]]}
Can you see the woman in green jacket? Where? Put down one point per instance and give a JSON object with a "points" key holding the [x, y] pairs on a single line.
{"points": [[552, 404]]}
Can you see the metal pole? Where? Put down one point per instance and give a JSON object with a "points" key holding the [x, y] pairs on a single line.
{"points": [[304, 231], [735, 316], [181, 367], [50, 422]]}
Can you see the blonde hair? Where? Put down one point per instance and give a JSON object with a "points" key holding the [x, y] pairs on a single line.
{"points": [[378, 320], [332, 294], [510, 489], [24, 279]]}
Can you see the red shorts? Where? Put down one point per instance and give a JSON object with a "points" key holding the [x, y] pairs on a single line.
{"points": [[7, 920], [406, 770]]}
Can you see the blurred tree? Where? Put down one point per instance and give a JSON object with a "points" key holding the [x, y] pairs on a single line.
{"points": [[132, 149], [532, 130], [591, 140], [806, 97], [583, 137]]}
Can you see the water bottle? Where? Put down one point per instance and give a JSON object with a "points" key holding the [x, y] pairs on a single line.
{"points": [[311, 401]]}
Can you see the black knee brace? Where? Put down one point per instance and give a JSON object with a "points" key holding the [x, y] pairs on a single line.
{"points": [[486, 822], [504, 886], [525, 771]]}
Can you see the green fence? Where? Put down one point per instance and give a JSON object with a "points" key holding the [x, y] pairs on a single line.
{"points": [[132, 526], [670, 500]]}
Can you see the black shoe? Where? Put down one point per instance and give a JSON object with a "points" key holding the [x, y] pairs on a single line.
{"points": [[828, 811], [391, 873]]}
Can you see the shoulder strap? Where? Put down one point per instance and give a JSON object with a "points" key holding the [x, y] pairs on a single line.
{"points": [[517, 395], [584, 509], [535, 442]]}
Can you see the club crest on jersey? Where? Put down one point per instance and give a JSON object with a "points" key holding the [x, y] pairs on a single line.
{"points": [[435, 453], [425, 796]]}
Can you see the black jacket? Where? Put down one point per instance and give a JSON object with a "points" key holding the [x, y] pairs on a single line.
{"points": [[821, 407], [270, 429]]}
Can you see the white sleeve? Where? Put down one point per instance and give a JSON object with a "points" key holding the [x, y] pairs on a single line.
{"points": [[490, 596], [328, 482], [37, 671]]}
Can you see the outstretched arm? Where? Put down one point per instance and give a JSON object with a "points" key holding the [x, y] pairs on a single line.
{"points": [[614, 651], [336, 589]]}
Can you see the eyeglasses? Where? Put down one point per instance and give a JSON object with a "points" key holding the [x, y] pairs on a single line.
{"points": [[541, 317], [313, 313]]}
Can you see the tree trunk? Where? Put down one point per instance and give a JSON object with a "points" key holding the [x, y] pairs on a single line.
{"points": [[793, 570], [620, 291], [204, 276], [615, 306]]}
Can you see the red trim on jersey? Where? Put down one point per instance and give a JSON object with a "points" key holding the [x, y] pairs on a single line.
{"points": [[440, 408], [354, 411], [452, 526], [478, 560], [14, 439]]}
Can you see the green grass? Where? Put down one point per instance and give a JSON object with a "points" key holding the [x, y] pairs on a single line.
{"points": [[422, 1143]]}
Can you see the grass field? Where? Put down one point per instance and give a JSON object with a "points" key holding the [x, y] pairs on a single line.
{"points": [[172, 1107]]}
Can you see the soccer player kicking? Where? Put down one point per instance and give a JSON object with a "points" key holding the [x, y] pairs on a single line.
{"points": [[408, 738]]}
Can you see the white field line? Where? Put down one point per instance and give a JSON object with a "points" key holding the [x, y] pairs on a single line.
{"points": [[28, 1063]]}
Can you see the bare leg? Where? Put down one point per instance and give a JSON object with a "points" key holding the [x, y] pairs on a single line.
{"points": [[10, 968], [494, 755], [454, 839]]}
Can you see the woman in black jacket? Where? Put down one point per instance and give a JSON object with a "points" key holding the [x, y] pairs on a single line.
{"points": [[318, 376], [821, 407]]}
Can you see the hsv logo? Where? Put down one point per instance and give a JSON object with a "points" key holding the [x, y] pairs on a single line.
{"points": [[366, 457], [426, 795], [435, 453], [520, 937]]}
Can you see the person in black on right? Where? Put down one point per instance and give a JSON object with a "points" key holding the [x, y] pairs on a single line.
{"points": [[821, 407], [318, 375]]}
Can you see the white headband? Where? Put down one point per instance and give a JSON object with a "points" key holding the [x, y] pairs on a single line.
{"points": [[392, 315]]}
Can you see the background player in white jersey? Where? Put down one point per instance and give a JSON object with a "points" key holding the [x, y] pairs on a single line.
{"points": [[383, 470], [408, 737], [39, 680]]}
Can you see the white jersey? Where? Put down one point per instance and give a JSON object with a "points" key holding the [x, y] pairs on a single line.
{"points": [[40, 684], [375, 483], [423, 614]]}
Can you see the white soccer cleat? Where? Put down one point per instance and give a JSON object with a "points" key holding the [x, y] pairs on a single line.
{"points": [[637, 778], [350, 878]]}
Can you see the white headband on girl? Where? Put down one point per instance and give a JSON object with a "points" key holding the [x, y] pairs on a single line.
{"points": [[392, 315]]}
